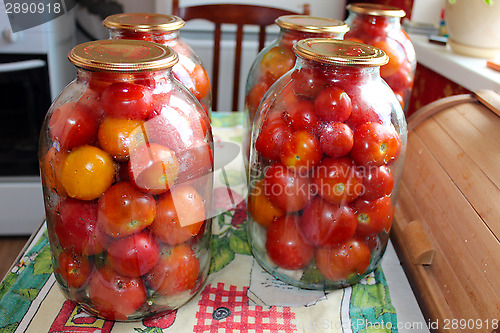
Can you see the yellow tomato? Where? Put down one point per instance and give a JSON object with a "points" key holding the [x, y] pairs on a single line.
{"points": [[87, 172]]}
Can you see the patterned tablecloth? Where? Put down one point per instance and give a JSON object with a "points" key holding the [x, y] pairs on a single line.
{"points": [[239, 295]]}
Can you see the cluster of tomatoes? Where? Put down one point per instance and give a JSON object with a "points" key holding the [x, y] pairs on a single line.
{"points": [[188, 70], [321, 174], [127, 210], [380, 32], [275, 62]]}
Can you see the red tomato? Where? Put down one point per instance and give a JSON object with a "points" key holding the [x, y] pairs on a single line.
{"points": [[348, 79], [77, 229], [301, 152], [344, 262], [286, 246], [373, 216], [288, 97], [73, 268], [262, 210], [337, 180], [180, 214], [176, 272], [308, 82], [175, 128], [114, 296], [286, 189], [271, 138], [375, 144], [134, 255], [336, 139], [326, 224], [127, 100], [153, 168], [116, 136], [91, 100], [124, 210], [372, 25], [276, 62], [333, 104], [377, 182], [73, 125], [362, 112], [300, 115], [195, 161]]}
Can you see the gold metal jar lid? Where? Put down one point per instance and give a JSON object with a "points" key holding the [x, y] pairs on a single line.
{"points": [[340, 52], [122, 55], [376, 9], [143, 22], [312, 24]]}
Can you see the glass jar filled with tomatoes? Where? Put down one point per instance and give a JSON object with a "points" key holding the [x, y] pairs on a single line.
{"points": [[126, 166], [380, 25], [278, 57], [165, 30], [326, 155]]}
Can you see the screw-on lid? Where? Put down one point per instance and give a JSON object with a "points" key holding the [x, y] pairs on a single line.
{"points": [[312, 24], [143, 22], [376, 9], [122, 55], [340, 52]]}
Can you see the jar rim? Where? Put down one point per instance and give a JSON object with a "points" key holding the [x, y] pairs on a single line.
{"points": [[143, 22], [376, 9], [306, 23], [122, 55], [340, 52]]}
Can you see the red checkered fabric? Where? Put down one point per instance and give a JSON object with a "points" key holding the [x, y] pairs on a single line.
{"points": [[222, 310]]}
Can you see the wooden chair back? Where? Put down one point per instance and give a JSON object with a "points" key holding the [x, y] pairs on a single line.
{"points": [[239, 15]]}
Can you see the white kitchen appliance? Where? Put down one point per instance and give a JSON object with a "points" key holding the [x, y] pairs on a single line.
{"points": [[33, 71]]}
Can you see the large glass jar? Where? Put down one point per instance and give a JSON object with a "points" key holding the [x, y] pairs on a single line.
{"points": [[126, 165], [165, 30], [278, 57], [380, 25], [326, 156]]}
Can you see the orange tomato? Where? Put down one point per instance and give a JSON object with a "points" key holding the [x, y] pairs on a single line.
{"points": [[87, 172], [201, 82], [52, 164], [116, 136], [179, 215], [263, 211], [277, 61], [396, 55]]}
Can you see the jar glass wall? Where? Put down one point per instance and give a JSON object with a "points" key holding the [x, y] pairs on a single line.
{"points": [[325, 160], [126, 165]]}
